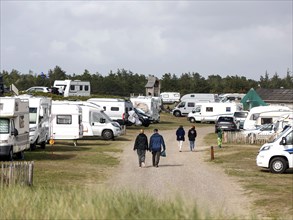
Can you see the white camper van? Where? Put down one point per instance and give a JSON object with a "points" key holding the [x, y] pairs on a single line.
{"points": [[65, 121], [254, 113], [116, 109], [278, 154], [39, 120], [73, 87], [270, 117], [184, 107], [96, 122], [14, 127], [210, 111], [170, 97], [231, 97], [201, 97], [150, 105]]}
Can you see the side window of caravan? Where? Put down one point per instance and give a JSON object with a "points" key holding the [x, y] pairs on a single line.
{"points": [[64, 119], [228, 109], [86, 88], [80, 88], [21, 121], [72, 87], [209, 109], [191, 104], [115, 109]]}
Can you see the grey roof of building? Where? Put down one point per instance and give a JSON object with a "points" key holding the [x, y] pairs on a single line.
{"points": [[276, 95], [151, 81]]}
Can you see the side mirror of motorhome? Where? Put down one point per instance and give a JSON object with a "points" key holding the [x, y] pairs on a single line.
{"points": [[15, 132], [102, 120], [284, 141]]}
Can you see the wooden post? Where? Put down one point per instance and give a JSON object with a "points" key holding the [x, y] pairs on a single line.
{"points": [[212, 153]]}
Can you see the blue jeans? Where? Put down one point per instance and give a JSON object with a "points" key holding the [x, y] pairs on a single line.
{"points": [[191, 145]]}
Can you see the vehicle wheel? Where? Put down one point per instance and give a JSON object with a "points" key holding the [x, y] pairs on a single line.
{"points": [[146, 123], [20, 155], [107, 135], [177, 114], [43, 145], [10, 155], [278, 165], [33, 146], [192, 120]]}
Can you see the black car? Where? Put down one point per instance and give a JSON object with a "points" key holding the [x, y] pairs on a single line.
{"points": [[226, 123]]}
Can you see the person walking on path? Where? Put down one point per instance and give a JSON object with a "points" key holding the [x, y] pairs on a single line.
{"points": [[156, 144], [191, 136], [141, 146], [180, 133], [220, 137]]}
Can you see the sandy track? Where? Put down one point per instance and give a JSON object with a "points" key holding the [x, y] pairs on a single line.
{"points": [[186, 173]]}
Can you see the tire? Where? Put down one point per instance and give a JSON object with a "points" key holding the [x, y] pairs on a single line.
{"points": [[177, 114], [278, 165], [107, 135], [20, 155], [33, 146], [43, 145], [192, 120]]}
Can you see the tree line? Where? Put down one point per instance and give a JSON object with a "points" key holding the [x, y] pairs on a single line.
{"points": [[124, 82]]}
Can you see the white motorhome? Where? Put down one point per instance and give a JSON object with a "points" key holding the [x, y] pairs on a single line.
{"points": [[73, 87], [170, 97], [65, 121], [277, 156], [228, 97], [270, 117], [201, 97], [39, 119], [116, 109], [96, 122], [210, 111], [14, 127], [150, 105], [254, 113], [184, 107]]}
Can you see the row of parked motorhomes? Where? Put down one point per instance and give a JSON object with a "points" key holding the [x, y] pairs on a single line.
{"points": [[27, 121]]}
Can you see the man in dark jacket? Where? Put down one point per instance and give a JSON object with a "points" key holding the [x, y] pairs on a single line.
{"points": [[191, 136], [141, 146], [156, 144]]}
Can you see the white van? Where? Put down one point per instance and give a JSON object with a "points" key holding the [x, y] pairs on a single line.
{"points": [[39, 119], [73, 87], [14, 127], [150, 105], [201, 97], [278, 154], [170, 97], [270, 117], [210, 111], [184, 107], [65, 121], [116, 109], [254, 113], [96, 122]]}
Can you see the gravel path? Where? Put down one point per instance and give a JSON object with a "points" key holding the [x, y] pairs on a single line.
{"points": [[185, 173]]}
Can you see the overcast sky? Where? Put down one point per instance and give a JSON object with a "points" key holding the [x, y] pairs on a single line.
{"points": [[244, 38]]}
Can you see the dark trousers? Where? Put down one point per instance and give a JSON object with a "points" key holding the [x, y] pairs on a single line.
{"points": [[156, 158], [141, 156]]}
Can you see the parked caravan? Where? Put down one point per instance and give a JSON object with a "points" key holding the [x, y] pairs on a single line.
{"points": [[65, 121], [231, 97], [170, 97], [201, 97], [73, 87], [116, 109], [277, 156], [14, 127], [150, 105], [96, 122], [254, 113], [39, 119], [209, 112], [270, 117]]}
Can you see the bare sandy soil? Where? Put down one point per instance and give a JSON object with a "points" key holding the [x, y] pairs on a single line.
{"points": [[186, 174]]}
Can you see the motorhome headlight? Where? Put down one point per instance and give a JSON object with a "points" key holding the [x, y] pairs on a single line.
{"points": [[115, 124], [33, 128], [266, 147], [3, 141]]}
